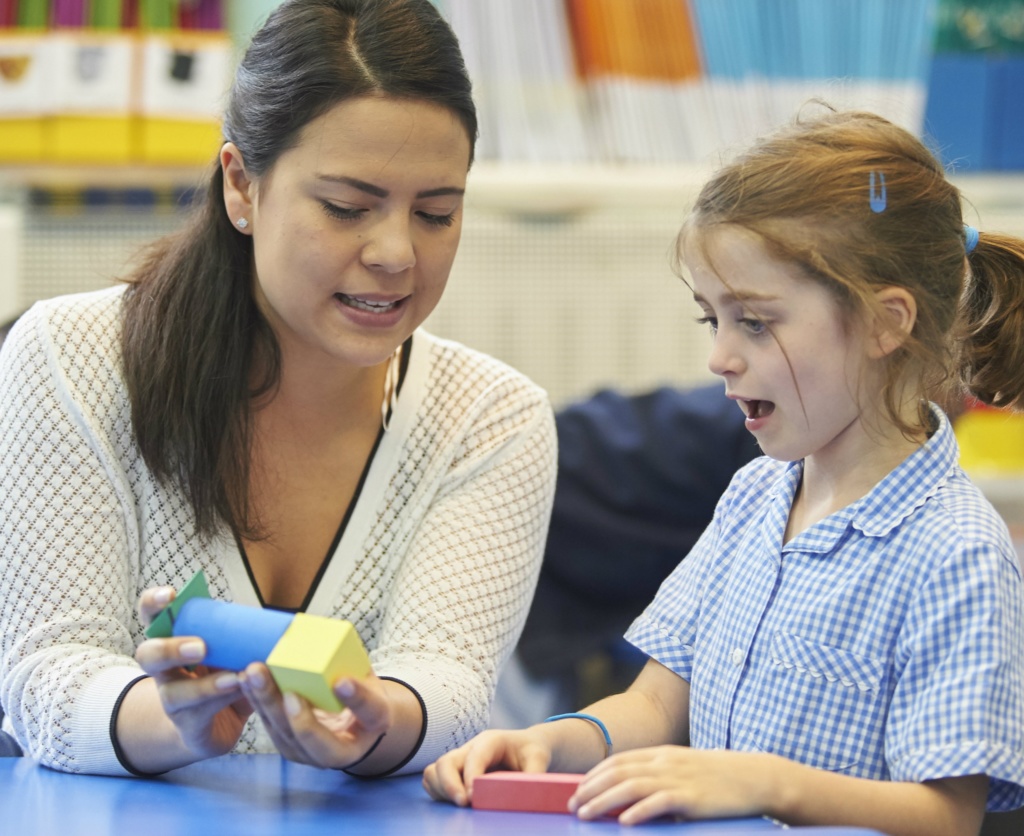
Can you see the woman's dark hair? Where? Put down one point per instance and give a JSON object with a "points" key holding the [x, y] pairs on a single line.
{"points": [[193, 338], [5, 327]]}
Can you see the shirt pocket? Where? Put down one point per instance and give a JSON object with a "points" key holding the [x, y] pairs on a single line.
{"points": [[829, 704]]}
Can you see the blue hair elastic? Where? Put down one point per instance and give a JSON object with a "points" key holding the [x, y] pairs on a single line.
{"points": [[970, 238], [877, 199]]}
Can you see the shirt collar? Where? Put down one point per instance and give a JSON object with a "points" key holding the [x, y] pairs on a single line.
{"points": [[911, 484], [896, 497]]}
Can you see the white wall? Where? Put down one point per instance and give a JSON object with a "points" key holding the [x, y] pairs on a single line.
{"points": [[10, 262]]}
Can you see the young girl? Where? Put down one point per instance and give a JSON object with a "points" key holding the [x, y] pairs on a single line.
{"points": [[845, 644]]}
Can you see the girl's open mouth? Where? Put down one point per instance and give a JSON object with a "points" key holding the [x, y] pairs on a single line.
{"points": [[757, 409]]}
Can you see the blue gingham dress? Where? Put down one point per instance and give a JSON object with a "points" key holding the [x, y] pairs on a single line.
{"points": [[886, 641]]}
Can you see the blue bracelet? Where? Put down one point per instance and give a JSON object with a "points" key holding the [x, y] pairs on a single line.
{"points": [[592, 719]]}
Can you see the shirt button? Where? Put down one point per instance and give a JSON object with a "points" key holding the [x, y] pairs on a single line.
{"points": [[736, 656]]}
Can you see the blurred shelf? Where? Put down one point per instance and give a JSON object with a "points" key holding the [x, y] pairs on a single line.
{"points": [[532, 189], [563, 188], [52, 176]]}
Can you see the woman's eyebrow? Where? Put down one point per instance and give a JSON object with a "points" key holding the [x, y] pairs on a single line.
{"points": [[377, 191]]}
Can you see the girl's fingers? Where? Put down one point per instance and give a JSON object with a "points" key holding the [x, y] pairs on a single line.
{"points": [[482, 753], [503, 749], [609, 800], [654, 806], [535, 760], [613, 784], [443, 778]]}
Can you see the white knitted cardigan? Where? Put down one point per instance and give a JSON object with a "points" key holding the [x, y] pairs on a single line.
{"points": [[436, 567]]}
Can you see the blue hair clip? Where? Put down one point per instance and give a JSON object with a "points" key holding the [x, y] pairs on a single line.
{"points": [[970, 238], [877, 199]]}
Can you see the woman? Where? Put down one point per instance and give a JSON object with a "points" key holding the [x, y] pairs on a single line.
{"points": [[259, 403]]}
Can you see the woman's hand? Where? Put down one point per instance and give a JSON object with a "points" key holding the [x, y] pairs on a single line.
{"points": [[310, 735], [450, 777], [206, 706], [675, 780]]}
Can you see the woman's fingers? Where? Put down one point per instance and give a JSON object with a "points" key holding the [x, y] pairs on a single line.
{"points": [[157, 656], [153, 601], [266, 699], [211, 692], [339, 740], [299, 732], [366, 700], [315, 743], [183, 683]]}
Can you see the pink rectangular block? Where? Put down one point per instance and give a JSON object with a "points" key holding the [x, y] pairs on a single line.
{"points": [[528, 792]]}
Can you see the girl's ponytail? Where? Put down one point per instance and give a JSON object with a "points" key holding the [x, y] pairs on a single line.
{"points": [[990, 328]]}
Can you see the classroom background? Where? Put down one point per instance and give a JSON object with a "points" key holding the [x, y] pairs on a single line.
{"points": [[599, 121]]}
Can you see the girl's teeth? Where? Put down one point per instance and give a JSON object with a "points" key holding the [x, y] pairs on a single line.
{"points": [[758, 409]]}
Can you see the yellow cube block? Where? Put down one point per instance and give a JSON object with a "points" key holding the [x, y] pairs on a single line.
{"points": [[313, 654]]}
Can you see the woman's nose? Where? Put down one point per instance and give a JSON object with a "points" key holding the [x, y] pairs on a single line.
{"points": [[390, 247]]}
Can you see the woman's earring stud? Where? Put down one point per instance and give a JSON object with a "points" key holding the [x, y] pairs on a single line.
{"points": [[242, 223]]}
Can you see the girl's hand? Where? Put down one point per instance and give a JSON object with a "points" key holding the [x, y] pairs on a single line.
{"points": [[675, 780], [450, 777], [206, 706], [310, 735]]}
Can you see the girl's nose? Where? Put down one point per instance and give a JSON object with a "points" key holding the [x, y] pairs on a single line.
{"points": [[723, 358]]}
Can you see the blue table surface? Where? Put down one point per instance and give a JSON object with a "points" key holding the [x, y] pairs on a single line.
{"points": [[264, 794]]}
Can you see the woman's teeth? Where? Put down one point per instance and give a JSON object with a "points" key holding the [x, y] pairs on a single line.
{"points": [[364, 305]]}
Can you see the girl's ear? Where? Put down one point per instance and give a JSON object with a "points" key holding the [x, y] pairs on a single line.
{"points": [[897, 315], [239, 189]]}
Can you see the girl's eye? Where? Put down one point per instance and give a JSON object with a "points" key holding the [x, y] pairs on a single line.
{"points": [[754, 326], [342, 213], [438, 220], [710, 321]]}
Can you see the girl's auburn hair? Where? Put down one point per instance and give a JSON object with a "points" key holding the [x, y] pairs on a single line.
{"points": [[860, 203]]}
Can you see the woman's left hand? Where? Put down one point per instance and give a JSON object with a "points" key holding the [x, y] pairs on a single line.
{"points": [[675, 780], [310, 735]]}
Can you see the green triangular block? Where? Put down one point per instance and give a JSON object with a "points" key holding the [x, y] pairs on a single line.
{"points": [[162, 627]]}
